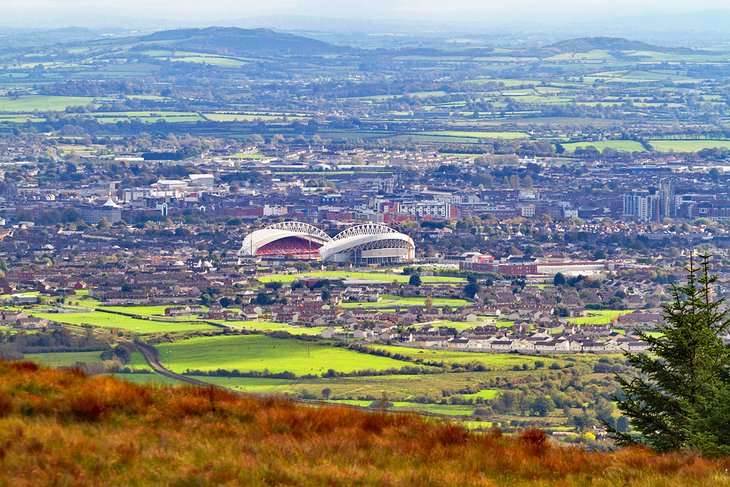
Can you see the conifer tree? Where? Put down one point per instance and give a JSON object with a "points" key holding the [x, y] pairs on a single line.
{"points": [[681, 400]]}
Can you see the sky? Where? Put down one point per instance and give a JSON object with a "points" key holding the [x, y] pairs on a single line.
{"points": [[26, 12]]}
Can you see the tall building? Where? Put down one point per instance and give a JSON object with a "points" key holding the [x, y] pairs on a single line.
{"points": [[651, 204], [642, 205], [667, 203]]}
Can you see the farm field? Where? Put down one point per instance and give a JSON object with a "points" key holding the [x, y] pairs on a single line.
{"points": [[477, 135], [403, 388], [444, 410], [142, 310], [25, 104], [109, 320], [63, 359], [258, 353], [69, 359], [493, 361], [620, 145], [267, 326], [374, 276], [685, 145], [155, 379]]}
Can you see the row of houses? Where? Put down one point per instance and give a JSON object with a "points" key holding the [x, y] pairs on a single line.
{"points": [[536, 343], [20, 320]]}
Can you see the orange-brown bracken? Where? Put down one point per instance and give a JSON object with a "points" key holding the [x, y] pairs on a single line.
{"points": [[59, 427]]}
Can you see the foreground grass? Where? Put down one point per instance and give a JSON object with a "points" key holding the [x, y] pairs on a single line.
{"points": [[58, 427]]}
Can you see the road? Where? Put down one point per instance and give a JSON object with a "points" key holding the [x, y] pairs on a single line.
{"points": [[153, 358]]}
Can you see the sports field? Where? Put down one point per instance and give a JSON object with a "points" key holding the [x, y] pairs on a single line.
{"points": [[374, 276], [391, 301]]}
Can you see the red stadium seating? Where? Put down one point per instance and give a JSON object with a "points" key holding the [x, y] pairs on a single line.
{"points": [[290, 246]]}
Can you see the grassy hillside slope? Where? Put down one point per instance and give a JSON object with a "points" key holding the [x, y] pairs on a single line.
{"points": [[58, 427]]}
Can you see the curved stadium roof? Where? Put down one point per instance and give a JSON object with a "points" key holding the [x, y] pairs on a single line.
{"points": [[369, 241], [278, 232]]}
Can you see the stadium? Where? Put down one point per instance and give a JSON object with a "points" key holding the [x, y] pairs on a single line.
{"points": [[369, 243], [294, 239]]}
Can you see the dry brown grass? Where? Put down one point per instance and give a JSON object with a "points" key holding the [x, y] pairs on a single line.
{"points": [[62, 428]]}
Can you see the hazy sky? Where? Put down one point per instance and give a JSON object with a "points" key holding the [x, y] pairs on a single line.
{"points": [[453, 10]]}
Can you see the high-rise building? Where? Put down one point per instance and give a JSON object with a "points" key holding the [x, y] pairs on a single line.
{"points": [[651, 204], [642, 205], [667, 203]]}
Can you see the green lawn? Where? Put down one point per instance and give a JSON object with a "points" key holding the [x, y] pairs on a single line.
{"points": [[253, 352], [374, 276], [392, 301], [109, 320]]}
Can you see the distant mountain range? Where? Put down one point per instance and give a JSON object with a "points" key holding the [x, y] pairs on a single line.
{"points": [[241, 42], [234, 41]]}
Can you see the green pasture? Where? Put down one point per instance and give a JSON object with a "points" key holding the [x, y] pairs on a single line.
{"points": [[248, 117], [43, 103], [440, 409], [684, 145], [253, 385], [110, 320], [63, 359], [598, 317], [69, 359], [267, 326], [224, 62], [619, 145], [158, 310], [476, 135], [494, 361], [156, 379], [257, 353], [487, 394]]}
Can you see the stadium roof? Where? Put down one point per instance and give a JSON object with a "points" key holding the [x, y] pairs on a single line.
{"points": [[279, 232]]}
